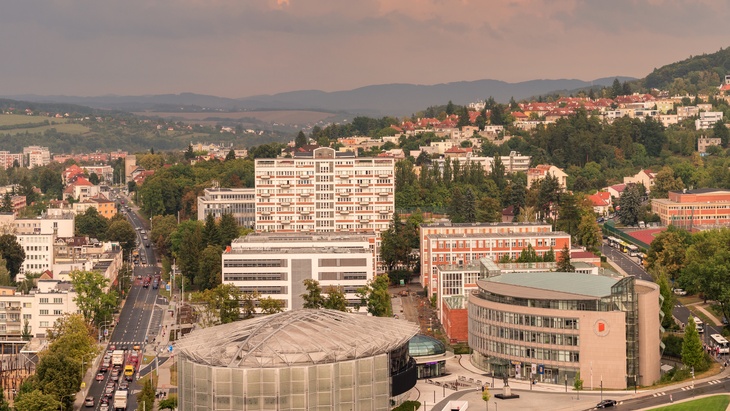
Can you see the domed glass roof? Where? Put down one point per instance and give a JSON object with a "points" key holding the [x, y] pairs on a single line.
{"points": [[422, 345], [297, 337]]}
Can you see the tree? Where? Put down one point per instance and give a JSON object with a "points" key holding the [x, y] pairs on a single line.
{"points": [[189, 153], [270, 305], [220, 305], [7, 206], [161, 229], [668, 252], [469, 212], [146, 397], [376, 297], [26, 335], [719, 130], [693, 354], [210, 231], [589, 233], [300, 140], [93, 298], [456, 206], [569, 214], [36, 400], [231, 155], [335, 299], [5, 279], [209, 272], [94, 179], [227, 229], [169, 403], [498, 174], [486, 396], [91, 223], [4, 406], [489, 210], [395, 247], [12, 253], [630, 205], [313, 297], [123, 232], [668, 298], [564, 264], [664, 182], [578, 383], [187, 244]]}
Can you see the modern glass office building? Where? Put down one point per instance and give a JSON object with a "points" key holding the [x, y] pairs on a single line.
{"points": [[548, 326], [297, 360]]}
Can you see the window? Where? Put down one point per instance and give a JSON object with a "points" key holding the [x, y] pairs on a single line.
{"points": [[58, 301], [57, 312], [44, 312], [44, 324], [44, 300]]}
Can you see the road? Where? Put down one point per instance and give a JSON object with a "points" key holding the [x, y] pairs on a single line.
{"points": [[721, 385], [139, 320]]}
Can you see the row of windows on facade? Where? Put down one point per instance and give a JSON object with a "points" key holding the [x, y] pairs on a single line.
{"points": [[486, 314], [495, 243], [519, 351], [291, 173], [4, 316], [529, 336], [337, 227], [568, 305], [285, 277], [466, 257]]}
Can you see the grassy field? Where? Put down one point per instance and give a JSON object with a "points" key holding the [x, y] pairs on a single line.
{"points": [[15, 119], [61, 128], [714, 403]]}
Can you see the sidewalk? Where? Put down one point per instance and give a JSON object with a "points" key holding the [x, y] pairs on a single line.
{"points": [[704, 311]]}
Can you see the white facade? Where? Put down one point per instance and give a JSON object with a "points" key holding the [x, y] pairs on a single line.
{"points": [[62, 225], [38, 253], [36, 156], [275, 265], [240, 202], [324, 191], [41, 308], [708, 119]]}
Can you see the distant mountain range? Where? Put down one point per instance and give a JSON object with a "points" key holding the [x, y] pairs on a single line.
{"points": [[375, 100]]}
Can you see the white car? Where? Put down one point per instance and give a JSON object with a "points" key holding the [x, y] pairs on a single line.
{"points": [[679, 291]]}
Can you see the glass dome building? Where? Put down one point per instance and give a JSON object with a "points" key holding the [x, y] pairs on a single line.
{"points": [[297, 360], [430, 355]]}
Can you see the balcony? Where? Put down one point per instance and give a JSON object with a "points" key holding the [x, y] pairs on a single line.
{"points": [[286, 221], [305, 176], [364, 203], [285, 203], [285, 185], [305, 212], [364, 185], [305, 194], [266, 195], [344, 194], [383, 175], [344, 212], [384, 211], [266, 213], [265, 177], [383, 194], [344, 176], [363, 220]]}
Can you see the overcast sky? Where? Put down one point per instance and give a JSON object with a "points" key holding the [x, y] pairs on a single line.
{"points": [[238, 48]]}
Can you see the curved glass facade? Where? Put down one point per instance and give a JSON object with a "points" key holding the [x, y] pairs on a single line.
{"points": [[422, 345]]}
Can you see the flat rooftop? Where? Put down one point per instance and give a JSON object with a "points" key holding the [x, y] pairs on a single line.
{"points": [[550, 285], [450, 224], [499, 235]]}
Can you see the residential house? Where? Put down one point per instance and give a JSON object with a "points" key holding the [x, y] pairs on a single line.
{"points": [[543, 170], [645, 177]]}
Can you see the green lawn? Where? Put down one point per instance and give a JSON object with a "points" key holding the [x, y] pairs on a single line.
{"points": [[714, 403], [13, 119], [61, 128]]}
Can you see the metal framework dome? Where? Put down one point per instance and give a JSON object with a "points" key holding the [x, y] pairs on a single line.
{"points": [[298, 337]]}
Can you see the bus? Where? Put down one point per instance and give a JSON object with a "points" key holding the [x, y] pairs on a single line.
{"points": [[633, 250], [717, 340], [624, 246], [613, 241]]}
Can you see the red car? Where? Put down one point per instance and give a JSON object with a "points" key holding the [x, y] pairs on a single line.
{"points": [[100, 377]]}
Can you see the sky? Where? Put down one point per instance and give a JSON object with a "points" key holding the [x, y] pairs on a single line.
{"points": [[239, 48]]}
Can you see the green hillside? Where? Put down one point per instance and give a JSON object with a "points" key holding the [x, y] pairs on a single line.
{"points": [[696, 74]]}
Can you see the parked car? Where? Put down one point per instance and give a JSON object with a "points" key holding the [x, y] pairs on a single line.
{"points": [[679, 291], [100, 377], [606, 404], [89, 402]]}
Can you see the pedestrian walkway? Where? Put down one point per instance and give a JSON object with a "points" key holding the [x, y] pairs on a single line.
{"points": [[704, 311]]}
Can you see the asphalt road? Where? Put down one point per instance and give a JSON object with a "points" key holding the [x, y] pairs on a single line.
{"points": [[138, 321], [717, 386]]}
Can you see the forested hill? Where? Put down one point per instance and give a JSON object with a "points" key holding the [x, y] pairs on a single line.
{"points": [[696, 74]]}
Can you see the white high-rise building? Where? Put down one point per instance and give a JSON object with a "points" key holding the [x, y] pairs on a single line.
{"points": [[36, 156], [276, 264], [41, 308], [324, 191]]}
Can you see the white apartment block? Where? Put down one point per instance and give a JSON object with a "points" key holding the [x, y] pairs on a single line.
{"points": [[276, 264], [513, 163], [38, 253], [41, 308], [324, 191], [708, 119], [462, 244], [61, 224], [241, 202], [36, 156], [704, 142]]}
